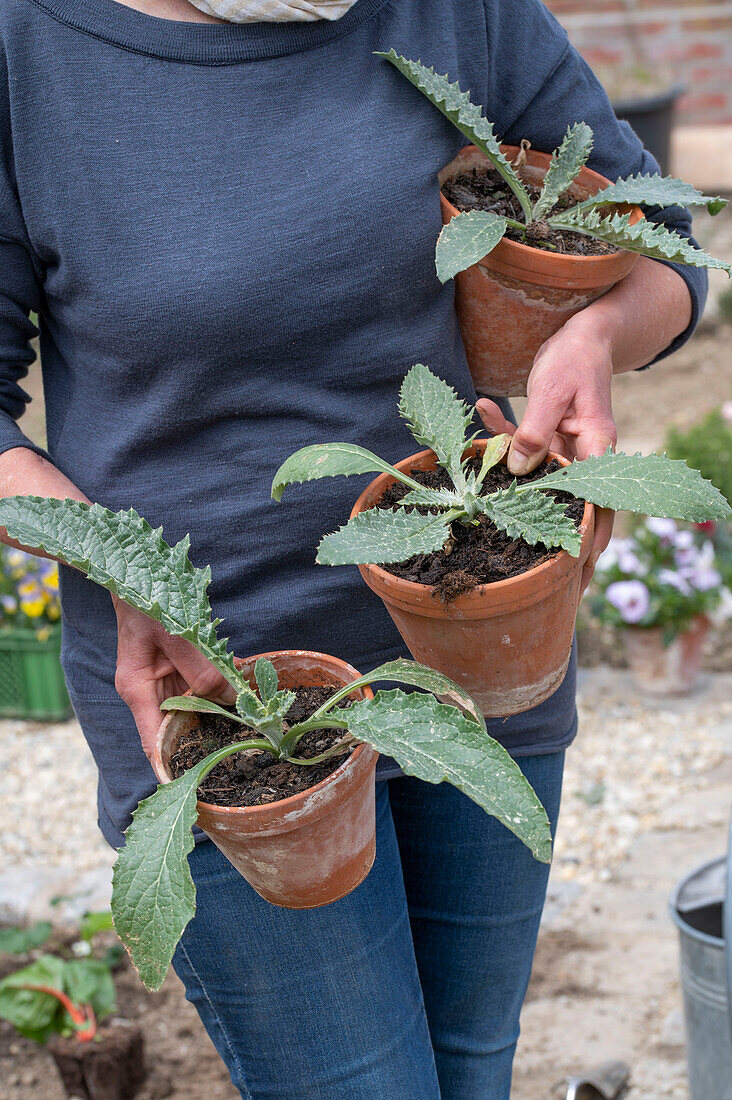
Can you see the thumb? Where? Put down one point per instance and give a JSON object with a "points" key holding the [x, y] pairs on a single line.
{"points": [[533, 437], [201, 676]]}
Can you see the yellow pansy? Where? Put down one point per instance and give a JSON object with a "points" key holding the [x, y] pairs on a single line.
{"points": [[33, 608]]}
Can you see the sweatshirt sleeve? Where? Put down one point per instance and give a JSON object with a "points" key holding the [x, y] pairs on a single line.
{"points": [[20, 293], [542, 85]]}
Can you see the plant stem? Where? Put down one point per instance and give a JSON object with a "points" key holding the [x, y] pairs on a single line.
{"points": [[335, 750], [293, 735], [82, 1017]]}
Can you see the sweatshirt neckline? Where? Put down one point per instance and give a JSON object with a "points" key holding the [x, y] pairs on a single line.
{"points": [[201, 43]]}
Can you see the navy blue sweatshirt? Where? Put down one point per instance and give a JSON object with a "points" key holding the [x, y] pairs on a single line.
{"points": [[228, 234]]}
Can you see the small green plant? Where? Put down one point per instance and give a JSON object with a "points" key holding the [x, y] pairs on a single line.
{"points": [[19, 941], [421, 522], [153, 894], [467, 238], [55, 995]]}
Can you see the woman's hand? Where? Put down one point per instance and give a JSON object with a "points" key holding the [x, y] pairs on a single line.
{"points": [[569, 411], [151, 666], [569, 406]]}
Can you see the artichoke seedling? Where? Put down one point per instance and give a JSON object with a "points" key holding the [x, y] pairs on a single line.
{"points": [[468, 237], [153, 891], [422, 520]]}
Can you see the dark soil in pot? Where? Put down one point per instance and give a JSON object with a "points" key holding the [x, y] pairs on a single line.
{"points": [[475, 554], [255, 778], [111, 1067], [485, 189]]}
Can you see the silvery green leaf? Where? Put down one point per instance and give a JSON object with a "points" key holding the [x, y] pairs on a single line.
{"points": [[532, 516], [265, 674], [195, 705], [437, 743], [435, 415], [651, 485], [431, 498], [153, 895], [465, 240], [249, 708], [331, 460], [495, 449], [121, 552], [564, 168], [653, 190], [381, 537], [466, 116], [410, 672], [645, 237]]}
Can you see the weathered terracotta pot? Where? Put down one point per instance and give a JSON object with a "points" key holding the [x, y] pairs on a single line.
{"points": [[507, 643], [314, 847], [516, 297], [672, 669]]}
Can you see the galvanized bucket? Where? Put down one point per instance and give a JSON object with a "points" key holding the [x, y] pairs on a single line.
{"points": [[701, 907]]}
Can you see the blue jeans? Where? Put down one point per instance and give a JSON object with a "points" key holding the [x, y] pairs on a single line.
{"points": [[410, 988]]}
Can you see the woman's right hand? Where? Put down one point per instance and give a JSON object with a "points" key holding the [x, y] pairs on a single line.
{"points": [[151, 666]]}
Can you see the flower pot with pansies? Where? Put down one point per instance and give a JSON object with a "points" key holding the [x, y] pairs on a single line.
{"points": [[31, 680], [659, 587], [283, 780], [481, 571], [532, 238]]}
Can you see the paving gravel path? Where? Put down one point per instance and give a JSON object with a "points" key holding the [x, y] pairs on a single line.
{"points": [[647, 797]]}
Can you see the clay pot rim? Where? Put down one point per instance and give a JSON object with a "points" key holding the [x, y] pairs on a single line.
{"points": [[591, 265], [414, 591], [163, 776]]}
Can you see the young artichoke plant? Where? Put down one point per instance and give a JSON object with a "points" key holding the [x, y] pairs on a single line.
{"points": [[154, 894], [468, 237], [420, 523]]}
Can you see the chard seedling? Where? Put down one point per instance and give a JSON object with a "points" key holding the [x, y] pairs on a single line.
{"points": [[153, 895], [58, 996], [421, 522], [467, 238]]}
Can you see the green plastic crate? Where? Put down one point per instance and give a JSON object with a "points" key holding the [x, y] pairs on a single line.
{"points": [[31, 681]]}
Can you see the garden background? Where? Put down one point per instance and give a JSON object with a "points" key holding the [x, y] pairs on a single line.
{"points": [[649, 782]]}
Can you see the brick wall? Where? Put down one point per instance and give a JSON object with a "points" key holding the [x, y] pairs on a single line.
{"points": [[692, 39]]}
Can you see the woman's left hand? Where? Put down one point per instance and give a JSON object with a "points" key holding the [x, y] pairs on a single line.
{"points": [[569, 411]]}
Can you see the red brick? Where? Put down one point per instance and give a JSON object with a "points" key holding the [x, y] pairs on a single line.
{"points": [[716, 72], [693, 101]]}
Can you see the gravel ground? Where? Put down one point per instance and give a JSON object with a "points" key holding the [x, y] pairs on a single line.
{"points": [[646, 798]]}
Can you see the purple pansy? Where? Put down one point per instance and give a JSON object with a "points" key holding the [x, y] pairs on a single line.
{"points": [[630, 598]]}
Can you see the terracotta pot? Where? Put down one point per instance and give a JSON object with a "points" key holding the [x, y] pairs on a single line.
{"points": [[672, 669], [507, 643], [516, 297], [314, 847]]}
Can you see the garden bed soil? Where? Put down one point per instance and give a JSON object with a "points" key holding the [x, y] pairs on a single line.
{"points": [[479, 553], [109, 1068], [254, 777], [485, 189]]}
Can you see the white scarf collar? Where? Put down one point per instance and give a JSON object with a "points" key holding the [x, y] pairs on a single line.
{"points": [[274, 11]]}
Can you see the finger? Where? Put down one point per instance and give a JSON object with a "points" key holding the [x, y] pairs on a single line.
{"points": [[142, 698], [493, 419], [200, 675], [596, 439], [536, 432], [604, 520]]}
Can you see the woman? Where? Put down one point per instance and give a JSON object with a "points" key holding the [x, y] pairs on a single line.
{"points": [[227, 230]]}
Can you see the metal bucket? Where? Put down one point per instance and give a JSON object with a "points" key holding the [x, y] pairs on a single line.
{"points": [[704, 920]]}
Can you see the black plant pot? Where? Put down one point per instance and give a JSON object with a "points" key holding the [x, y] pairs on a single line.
{"points": [[651, 117]]}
